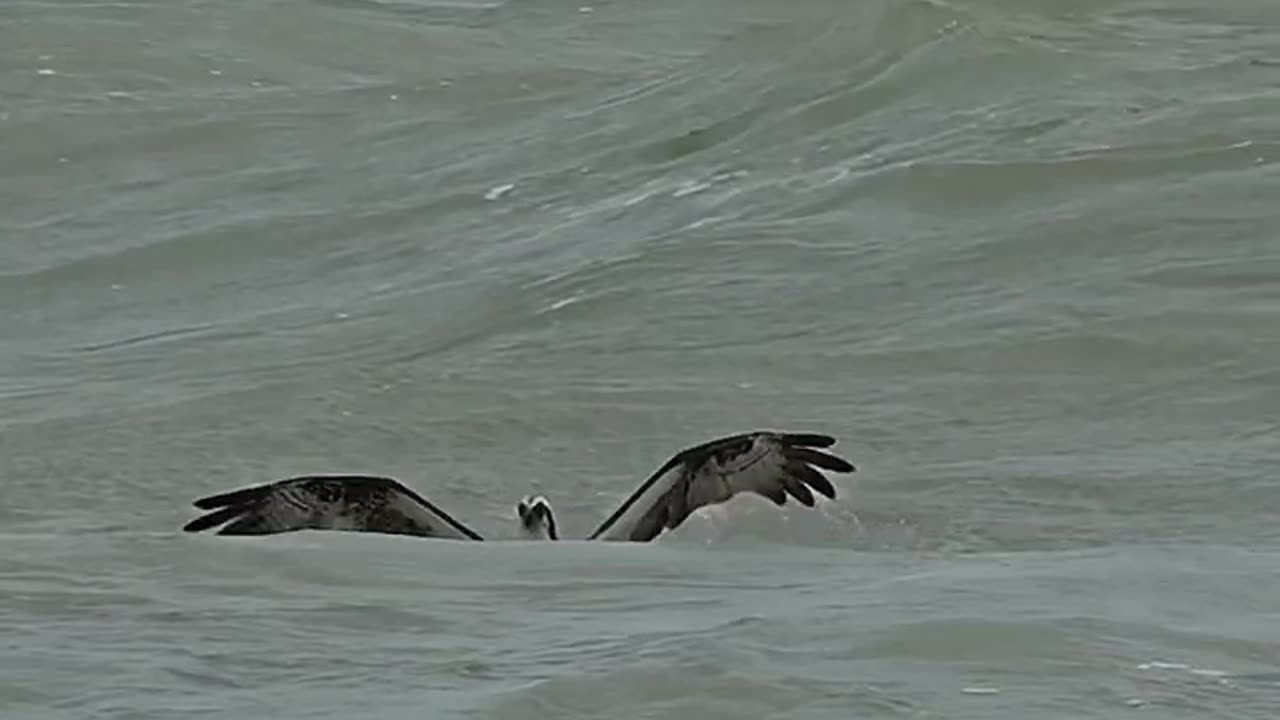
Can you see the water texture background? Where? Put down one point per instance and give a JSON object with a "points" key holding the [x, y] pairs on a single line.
{"points": [[1022, 258]]}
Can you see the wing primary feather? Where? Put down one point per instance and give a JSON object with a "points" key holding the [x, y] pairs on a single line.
{"points": [[777, 494], [213, 519], [808, 439], [252, 524], [242, 496], [811, 477], [798, 490], [821, 459]]}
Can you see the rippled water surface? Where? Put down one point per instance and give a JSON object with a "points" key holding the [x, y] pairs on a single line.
{"points": [[1021, 258]]}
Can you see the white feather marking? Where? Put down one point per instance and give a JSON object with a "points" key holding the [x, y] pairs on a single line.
{"points": [[534, 516]]}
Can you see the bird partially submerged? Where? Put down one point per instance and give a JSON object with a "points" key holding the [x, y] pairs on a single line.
{"points": [[536, 519], [771, 464]]}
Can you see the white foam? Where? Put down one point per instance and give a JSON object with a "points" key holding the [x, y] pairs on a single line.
{"points": [[1158, 665], [1190, 670], [563, 302], [499, 191], [690, 188]]}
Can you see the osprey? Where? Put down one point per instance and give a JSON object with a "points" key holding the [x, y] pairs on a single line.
{"points": [[771, 464]]}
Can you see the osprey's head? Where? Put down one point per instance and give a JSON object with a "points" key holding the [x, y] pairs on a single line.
{"points": [[536, 520]]}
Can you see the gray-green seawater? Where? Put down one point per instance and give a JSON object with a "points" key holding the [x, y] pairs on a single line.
{"points": [[1022, 258]]}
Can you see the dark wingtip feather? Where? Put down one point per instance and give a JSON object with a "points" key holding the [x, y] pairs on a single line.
{"points": [[820, 459], [825, 487], [776, 494], [213, 519], [808, 440], [798, 490], [234, 497], [812, 478]]}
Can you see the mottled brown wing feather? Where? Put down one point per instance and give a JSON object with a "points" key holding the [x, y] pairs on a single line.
{"points": [[771, 464], [358, 503]]}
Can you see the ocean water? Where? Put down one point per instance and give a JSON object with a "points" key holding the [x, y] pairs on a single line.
{"points": [[1021, 258]]}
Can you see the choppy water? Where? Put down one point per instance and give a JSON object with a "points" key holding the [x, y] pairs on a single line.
{"points": [[1023, 258]]}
